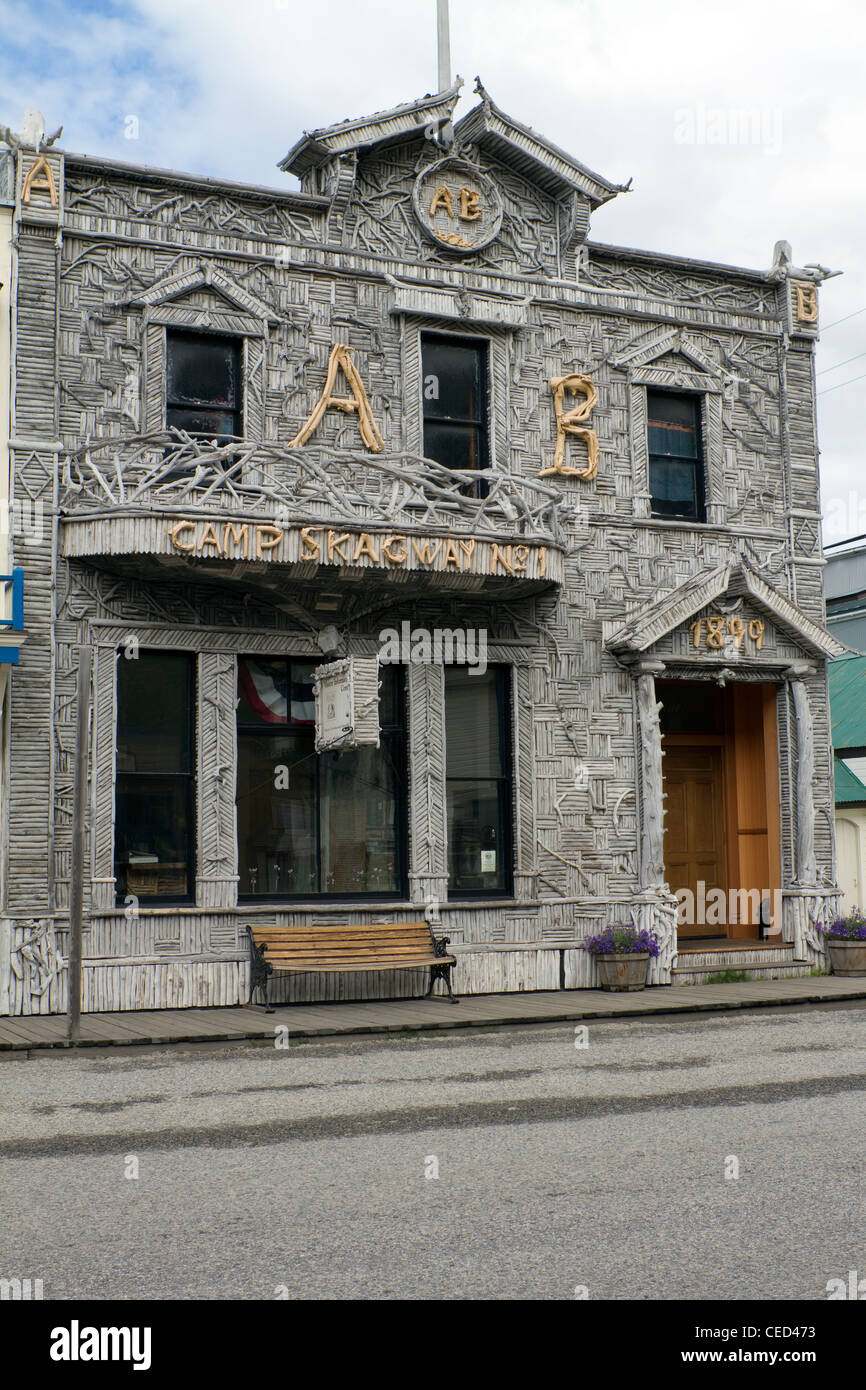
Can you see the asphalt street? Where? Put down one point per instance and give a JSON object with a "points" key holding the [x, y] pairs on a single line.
{"points": [[716, 1156]]}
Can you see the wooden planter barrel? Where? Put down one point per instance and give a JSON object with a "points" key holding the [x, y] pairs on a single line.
{"points": [[623, 970], [847, 957]]}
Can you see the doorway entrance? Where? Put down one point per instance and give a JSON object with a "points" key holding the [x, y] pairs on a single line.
{"points": [[722, 832]]}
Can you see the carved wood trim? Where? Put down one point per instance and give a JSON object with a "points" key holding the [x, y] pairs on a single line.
{"points": [[428, 822], [216, 774], [652, 867], [104, 773], [153, 377]]}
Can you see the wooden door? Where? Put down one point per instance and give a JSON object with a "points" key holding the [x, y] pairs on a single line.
{"points": [[694, 844]]}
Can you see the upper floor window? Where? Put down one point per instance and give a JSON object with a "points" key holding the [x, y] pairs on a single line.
{"points": [[203, 384], [454, 384], [676, 470]]}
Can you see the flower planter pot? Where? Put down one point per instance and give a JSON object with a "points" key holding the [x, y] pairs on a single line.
{"points": [[847, 957], [621, 970]]}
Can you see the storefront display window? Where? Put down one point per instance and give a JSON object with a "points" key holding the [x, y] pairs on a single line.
{"points": [[315, 824]]}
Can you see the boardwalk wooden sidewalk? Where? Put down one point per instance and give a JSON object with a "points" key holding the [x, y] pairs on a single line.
{"points": [[156, 1028]]}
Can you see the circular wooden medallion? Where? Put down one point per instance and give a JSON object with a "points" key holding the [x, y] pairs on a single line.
{"points": [[458, 206]]}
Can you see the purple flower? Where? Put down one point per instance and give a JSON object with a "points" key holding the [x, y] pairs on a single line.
{"points": [[622, 936], [850, 928]]}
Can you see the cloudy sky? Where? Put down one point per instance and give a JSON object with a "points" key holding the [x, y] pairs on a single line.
{"points": [[741, 121]]}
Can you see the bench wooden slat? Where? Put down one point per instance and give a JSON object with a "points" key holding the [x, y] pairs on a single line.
{"points": [[342, 927], [356, 950], [395, 939], [356, 954], [353, 967], [364, 934], [331, 959]]}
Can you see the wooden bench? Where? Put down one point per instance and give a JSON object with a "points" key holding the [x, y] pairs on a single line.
{"points": [[379, 946]]}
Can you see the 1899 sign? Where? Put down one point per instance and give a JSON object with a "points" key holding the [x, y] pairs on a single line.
{"points": [[717, 631]]}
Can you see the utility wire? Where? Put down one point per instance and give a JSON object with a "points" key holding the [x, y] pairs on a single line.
{"points": [[840, 384], [844, 320], [842, 364]]}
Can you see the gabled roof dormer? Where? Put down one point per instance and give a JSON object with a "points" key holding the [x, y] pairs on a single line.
{"points": [[519, 146], [318, 148], [463, 211]]}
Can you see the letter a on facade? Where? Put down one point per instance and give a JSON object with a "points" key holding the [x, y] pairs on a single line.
{"points": [[341, 359]]}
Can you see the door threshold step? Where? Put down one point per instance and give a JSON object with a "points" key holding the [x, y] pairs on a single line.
{"points": [[740, 958]]}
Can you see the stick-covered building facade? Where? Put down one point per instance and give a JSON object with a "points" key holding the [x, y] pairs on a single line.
{"points": [[568, 494]]}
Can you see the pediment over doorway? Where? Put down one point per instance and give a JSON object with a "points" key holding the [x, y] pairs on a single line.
{"points": [[722, 617]]}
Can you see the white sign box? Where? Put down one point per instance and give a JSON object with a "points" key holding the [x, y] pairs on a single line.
{"points": [[347, 703]]}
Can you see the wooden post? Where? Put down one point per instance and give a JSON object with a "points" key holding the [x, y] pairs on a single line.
{"points": [[806, 861], [652, 860], [76, 887]]}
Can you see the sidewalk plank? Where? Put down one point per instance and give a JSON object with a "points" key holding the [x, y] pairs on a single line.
{"points": [[389, 1016]]}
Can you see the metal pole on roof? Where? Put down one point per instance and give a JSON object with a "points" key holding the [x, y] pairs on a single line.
{"points": [[444, 45]]}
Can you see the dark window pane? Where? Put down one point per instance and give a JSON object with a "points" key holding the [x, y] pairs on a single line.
{"points": [[478, 781], [676, 441], [313, 824], [452, 380], [674, 488], [666, 407], [303, 704], [390, 700], [216, 424], [154, 789], [153, 836], [276, 799], [476, 836], [153, 713], [675, 466], [454, 446], [358, 822], [473, 737], [202, 370]]}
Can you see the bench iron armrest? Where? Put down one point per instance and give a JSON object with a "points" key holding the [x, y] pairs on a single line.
{"points": [[260, 969]]}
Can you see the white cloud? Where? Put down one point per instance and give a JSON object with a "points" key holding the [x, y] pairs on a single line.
{"points": [[226, 88]]}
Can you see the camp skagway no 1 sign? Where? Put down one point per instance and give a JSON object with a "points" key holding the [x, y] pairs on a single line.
{"points": [[237, 539], [268, 542]]}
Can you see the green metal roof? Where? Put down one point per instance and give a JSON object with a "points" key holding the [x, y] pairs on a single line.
{"points": [[847, 678], [849, 789]]}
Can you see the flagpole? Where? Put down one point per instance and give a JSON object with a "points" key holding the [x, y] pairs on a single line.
{"points": [[444, 45]]}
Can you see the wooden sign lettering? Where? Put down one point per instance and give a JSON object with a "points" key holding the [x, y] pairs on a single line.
{"points": [[40, 175], [340, 359], [322, 545], [807, 303], [569, 422]]}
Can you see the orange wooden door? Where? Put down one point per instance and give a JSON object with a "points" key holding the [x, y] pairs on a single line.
{"points": [[694, 845]]}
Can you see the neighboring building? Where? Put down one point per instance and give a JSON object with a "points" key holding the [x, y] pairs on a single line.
{"points": [[845, 592], [266, 428], [850, 836], [848, 713]]}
